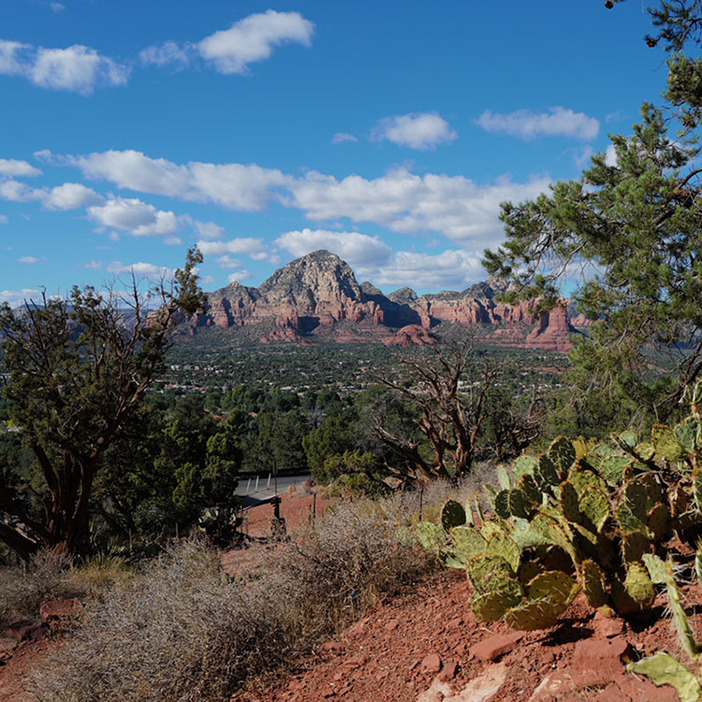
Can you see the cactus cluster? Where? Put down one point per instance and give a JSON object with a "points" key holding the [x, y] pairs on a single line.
{"points": [[582, 514]]}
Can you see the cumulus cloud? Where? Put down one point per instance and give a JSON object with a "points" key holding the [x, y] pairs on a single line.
{"points": [[418, 130], [18, 297], [341, 137], [209, 230], [227, 261], [407, 203], [236, 186], [527, 125], [168, 54], [77, 68], [452, 270], [140, 270], [12, 61], [29, 260], [238, 276], [246, 246], [253, 39], [57, 7], [17, 169], [360, 251], [71, 196], [14, 191], [134, 216]]}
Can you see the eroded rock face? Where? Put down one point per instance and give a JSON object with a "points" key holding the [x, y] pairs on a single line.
{"points": [[553, 332], [319, 294]]}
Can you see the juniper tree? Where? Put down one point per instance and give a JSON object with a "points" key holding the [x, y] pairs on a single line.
{"points": [[79, 368], [632, 225]]}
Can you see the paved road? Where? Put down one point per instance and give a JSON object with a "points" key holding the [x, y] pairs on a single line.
{"points": [[255, 491]]}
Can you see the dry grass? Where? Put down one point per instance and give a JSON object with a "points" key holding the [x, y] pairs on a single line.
{"points": [[51, 576], [182, 630]]}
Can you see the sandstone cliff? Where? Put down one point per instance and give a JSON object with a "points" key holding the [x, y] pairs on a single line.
{"points": [[318, 296]]}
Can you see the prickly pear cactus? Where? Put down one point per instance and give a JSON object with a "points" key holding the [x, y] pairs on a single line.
{"points": [[663, 669]]}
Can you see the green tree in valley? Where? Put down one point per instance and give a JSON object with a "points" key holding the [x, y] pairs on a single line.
{"points": [[632, 225], [79, 369]]}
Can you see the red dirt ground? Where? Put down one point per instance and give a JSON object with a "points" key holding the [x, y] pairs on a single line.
{"points": [[425, 646]]}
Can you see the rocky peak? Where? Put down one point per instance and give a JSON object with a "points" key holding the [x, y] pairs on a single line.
{"points": [[403, 296], [320, 276]]}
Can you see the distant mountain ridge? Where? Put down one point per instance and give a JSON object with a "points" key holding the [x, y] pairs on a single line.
{"points": [[318, 296]]}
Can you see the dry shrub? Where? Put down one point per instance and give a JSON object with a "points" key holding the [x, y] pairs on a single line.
{"points": [[182, 630], [25, 587]]}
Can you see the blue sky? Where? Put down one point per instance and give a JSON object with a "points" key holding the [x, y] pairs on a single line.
{"points": [[386, 132]]}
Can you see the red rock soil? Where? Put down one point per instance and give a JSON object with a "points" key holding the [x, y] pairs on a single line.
{"points": [[425, 645]]}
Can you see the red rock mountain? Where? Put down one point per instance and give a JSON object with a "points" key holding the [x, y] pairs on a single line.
{"points": [[318, 296]]}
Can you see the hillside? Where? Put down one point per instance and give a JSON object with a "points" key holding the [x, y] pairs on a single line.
{"points": [[318, 297]]}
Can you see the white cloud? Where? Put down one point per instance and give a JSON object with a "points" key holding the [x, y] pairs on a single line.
{"points": [[238, 276], [29, 260], [247, 246], [341, 137], [77, 68], [253, 39], [227, 261], [140, 270], [209, 230], [167, 54], [71, 196], [11, 63], [418, 131], [134, 216], [14, 191], [14, 168], [360, 251], [17, 297], [57, 7], [4, 219], [450, 270], [93, 265], [527, 125], [236, 186], [407, 203]]}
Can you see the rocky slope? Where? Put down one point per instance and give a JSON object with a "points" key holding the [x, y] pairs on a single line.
{"points": [[318, 296]]}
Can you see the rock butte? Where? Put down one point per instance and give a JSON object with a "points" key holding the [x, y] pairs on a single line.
{"points": [[318, 297]]}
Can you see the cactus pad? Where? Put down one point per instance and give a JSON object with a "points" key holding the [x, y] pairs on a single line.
{"points": [[665, 444], [546, 473], [569, 501], [467, 542], [594, 505], [530, 491], [524, 465], [503, 478], [431, 537], [658, 522], [452, 515], [612, 469], [555, 586], [539, 614], [492, 606], [634, 545], [593, 582], [562, 453], [663, 669], [689, 434], [501, 545]]}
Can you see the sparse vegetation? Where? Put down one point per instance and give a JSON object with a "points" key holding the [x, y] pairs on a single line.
{"points": [[182, 630]]}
